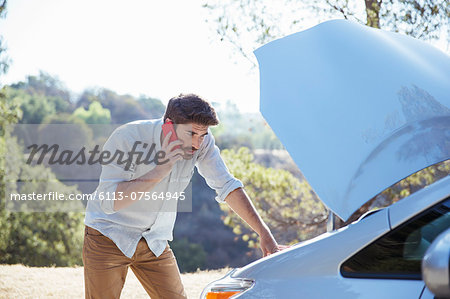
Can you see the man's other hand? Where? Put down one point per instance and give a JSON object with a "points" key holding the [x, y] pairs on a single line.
{"points": [[269, 245]]}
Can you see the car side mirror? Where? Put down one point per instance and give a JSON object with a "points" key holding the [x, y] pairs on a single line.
{"points": [[436, 264]]}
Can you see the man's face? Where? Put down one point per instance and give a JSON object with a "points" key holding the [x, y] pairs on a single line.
{"points": [[192, 136]]}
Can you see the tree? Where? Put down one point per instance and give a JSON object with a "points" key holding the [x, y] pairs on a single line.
{"points": [[204, 226], [190, 256], [248, 24], [3, 60], [34, 238], [34, 107], [37, 233], [153, 107], [96, 114], [48, 86], [37, 239], [285, 203], [243, 130], [40, 96], [123, 108]]}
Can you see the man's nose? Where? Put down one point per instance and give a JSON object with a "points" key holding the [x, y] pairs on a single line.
{"points": [[196, 143]]}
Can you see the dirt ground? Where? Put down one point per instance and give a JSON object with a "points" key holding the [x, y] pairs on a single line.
{"points": [[18, 281]]}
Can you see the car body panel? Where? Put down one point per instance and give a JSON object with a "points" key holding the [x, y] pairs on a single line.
{"points": [[301, 260], [357, 108], [311, 287], [345, 241], [311, 269]]}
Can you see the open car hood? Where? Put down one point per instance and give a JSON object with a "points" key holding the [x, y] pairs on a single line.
{"points": [[357, 108]]}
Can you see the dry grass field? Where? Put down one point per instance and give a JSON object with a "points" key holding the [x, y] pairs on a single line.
{"points": [[18, 281]]}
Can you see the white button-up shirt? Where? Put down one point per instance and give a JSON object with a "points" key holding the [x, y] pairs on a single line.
{"points": [[152, 219]]}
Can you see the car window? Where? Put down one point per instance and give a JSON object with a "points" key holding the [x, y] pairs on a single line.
{"points": [[399, 253]]}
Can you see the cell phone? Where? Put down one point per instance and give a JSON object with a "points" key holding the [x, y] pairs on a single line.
{"points": [[168, 127]]}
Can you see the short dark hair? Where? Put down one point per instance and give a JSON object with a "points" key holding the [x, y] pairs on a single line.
{"points": [[191, 108]]}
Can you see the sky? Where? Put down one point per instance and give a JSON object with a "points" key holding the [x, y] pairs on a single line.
{"points": [[153, 48]]}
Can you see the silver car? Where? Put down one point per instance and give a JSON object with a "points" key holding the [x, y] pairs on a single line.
{"points": [[358, 109]]}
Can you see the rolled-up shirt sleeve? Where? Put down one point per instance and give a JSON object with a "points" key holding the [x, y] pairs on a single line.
{"points": [[211, 166], [113, 172]]}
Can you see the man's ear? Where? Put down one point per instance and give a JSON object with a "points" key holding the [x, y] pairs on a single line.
{"points": [[167, 120]]}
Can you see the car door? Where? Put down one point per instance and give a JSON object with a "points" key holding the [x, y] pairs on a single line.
{"points": [[393, 262]]}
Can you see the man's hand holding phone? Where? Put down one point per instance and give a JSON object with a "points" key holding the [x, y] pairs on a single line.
{"points": [[173, 152]]}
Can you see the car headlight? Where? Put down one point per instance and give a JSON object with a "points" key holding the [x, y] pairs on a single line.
{"points": [[226, 287]]}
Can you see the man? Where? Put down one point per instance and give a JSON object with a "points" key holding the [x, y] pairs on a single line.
{"points": [[127, 232]]}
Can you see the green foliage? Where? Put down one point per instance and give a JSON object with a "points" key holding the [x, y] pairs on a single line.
{"points": [[4, 61], [204, 226], [284, 202], [237, 129], [96, 114], [190, 256], [3, 58], [40, 239], [75, 136], [421, 19], [48, 86], [9, 111], [153, 107], [36, 239], [34, 106], [248, 24], [123, 108], [44, 95]]}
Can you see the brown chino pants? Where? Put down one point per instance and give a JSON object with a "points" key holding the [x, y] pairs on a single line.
{"points": [[105, 269]]}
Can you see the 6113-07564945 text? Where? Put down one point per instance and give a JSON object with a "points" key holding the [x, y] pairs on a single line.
{"points": [[54, 195]]}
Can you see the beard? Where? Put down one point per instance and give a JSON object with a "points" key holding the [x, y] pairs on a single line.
{"points": [[188, 152]]}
